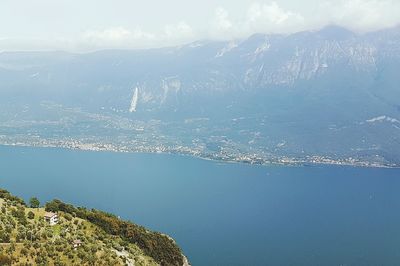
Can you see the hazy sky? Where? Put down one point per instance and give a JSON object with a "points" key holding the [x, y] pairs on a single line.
{"points": [[81, 25]]}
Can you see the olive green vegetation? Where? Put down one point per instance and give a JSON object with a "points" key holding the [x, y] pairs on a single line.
{"points": [[156, 245], [27, 239], [34, 202]]}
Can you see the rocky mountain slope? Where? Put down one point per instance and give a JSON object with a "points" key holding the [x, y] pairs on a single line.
{"points": [[306, 95]]}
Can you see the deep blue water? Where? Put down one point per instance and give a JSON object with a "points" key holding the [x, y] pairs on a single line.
{"points": [[226, 214]]}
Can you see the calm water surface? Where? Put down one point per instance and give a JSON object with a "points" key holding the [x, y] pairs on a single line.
{"points": [[226, 214]]}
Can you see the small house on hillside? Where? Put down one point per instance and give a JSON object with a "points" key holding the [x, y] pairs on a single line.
{"points": [[76, 243], [51, 218]]}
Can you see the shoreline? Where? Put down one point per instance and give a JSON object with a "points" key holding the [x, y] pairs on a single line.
{"points": [[290, 162]]}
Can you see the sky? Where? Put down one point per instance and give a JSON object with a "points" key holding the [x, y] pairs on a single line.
{"points": [[87, 25]]}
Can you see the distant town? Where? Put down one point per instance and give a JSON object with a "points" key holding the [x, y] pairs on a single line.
{"points": [[225, 155]]}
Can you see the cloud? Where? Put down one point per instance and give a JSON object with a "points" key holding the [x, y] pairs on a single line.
{"points": [[360, 15], [271, 17], [107, 35], [225, 23], [222, 21], [115, 37], [180, 31], [257, 18], [120, 37], [221, 27]]}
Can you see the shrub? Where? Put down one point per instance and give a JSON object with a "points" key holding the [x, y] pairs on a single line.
{"points": [[34, 202], [5, 260], [31, 215], [4, 194]]}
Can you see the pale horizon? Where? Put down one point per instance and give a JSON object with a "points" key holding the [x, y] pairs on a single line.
{"points": [[73, 26], [187, 43]]}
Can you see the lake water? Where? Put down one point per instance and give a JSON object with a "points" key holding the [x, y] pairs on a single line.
{"points": [[226, 214]]}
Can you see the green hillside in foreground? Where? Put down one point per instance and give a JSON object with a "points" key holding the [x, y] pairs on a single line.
{"points": [[79, 237]]}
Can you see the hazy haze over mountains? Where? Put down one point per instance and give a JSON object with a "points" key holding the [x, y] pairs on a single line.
{"points": [[77, 26], [330, 92]]}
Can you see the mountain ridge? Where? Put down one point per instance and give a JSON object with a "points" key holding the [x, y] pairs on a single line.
{"points": [[311, 90]]}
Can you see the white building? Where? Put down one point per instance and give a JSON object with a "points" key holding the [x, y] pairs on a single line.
{"points": [[51, 218], [76, 243]]}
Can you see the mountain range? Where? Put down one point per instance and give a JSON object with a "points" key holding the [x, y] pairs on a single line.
{"points": [[329, 93]]}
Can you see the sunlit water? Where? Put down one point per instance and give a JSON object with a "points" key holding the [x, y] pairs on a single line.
{"points": [[226, 214]]}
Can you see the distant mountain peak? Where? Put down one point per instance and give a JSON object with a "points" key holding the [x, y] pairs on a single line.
{"points": [[335, 32]]}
